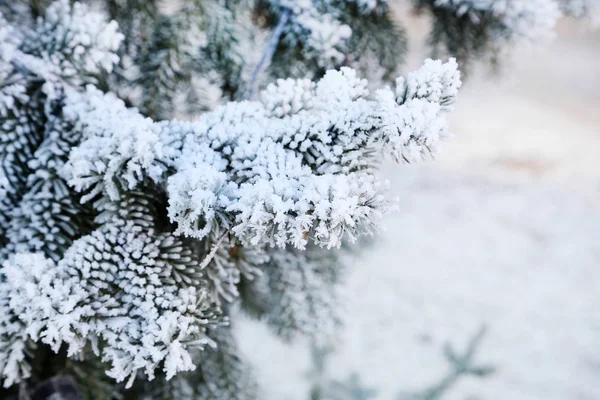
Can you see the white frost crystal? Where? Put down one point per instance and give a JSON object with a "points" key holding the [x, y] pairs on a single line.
{"points": [[88, 42], [112, 286]]}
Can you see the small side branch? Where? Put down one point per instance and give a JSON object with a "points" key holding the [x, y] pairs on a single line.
{"points": [[269, 51], [213, 251]]}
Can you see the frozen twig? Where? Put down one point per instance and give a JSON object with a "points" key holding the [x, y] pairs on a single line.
{"points": [[269, 51]]}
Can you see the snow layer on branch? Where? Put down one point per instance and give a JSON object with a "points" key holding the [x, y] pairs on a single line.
{"points": [[66, 47], [113, 290], [293, 170], [436, 82], [297, 167], [75, 39], [288, 96], [69, 44], [120, 146], [19, 295], [321, 33], [520, 20]]}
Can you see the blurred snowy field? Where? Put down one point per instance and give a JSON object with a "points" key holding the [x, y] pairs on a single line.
{"points": [[503, 230]]}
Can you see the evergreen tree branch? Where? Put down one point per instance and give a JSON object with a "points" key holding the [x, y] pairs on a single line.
{"points": [[125, 239]]}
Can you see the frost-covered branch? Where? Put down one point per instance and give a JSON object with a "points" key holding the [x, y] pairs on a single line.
{"points": [[295, 168], [77, 45], [124, 239], [266, 174]]}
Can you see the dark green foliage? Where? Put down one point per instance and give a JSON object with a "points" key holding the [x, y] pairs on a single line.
{"points": [[31, 8], [135, 18], [91, 380], [157, 389], [160, 60], [290, 58], [377, 42], [376, 47], [295, 292], [168, 61], [222, 53], [466, 37], [49, 217], [221, 372]]}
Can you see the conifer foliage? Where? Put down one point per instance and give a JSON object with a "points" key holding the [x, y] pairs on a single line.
{"points": [[127, 236], [480, 28]]}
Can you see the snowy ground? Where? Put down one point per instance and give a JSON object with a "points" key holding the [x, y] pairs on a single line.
{"points": [[503, 229]]}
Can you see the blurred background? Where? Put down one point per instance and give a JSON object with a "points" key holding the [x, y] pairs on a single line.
{"points": [[502, 231]]}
